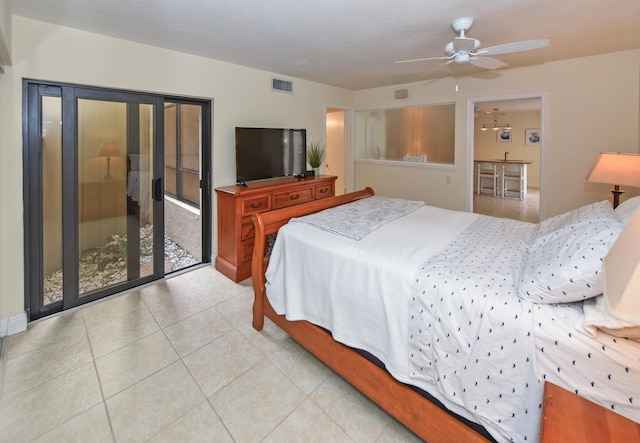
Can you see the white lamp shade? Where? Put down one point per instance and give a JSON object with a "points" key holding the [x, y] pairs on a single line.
{"points": [[616, 168], [108, 150], [621, 274]]}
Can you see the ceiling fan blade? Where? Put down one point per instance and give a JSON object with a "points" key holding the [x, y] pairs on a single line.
{"points": [[424, 59], [487, 62], [506, 48]]}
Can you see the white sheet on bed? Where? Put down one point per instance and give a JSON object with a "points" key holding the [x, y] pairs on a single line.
{"points": [[604, 369], [350, 286]]}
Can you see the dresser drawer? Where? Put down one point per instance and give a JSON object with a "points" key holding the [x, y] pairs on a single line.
{"points": [[255, 204], [325, 190], [284, 199]]}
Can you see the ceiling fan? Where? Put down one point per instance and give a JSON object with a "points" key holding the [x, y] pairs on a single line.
{"points": [[464, 49]]}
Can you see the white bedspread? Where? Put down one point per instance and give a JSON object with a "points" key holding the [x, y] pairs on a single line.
{"points": [[361, 217], [350, 286]]}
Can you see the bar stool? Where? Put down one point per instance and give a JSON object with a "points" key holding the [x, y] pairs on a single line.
{"points": [[487, 171], [515, 174]]}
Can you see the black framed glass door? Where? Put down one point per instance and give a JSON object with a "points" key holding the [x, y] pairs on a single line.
{"points": [[93, 187]]}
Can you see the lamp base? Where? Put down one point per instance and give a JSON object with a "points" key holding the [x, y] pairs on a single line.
{"points": [[616, 191], [108, 174]]}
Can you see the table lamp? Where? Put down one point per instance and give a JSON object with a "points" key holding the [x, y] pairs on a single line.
{"points": [[616, 168], [108, 150]]}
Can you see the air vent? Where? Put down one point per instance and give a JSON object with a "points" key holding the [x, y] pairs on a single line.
{"points": [[281, 85]]}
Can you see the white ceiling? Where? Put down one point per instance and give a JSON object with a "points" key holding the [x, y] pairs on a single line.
{"points": [[350, 43]]}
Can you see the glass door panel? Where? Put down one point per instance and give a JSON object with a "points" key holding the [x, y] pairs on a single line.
{"points": [[52, 259], [115, 213], [183, 142]]}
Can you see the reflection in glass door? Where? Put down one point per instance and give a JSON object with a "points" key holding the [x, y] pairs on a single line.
{"points": [[115, 211]]}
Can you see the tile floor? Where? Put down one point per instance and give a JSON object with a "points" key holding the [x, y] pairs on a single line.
{"points": [[176, 360], [509, 207]]}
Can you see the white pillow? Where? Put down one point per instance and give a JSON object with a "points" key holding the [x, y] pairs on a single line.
{"points": [[140, 161], [626, 209], [597, 317], [134, 159], [600, 211], [567, 266]]}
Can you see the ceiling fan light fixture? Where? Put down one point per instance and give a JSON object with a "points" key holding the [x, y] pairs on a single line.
{"points": [[506, 127], [462, 58]]}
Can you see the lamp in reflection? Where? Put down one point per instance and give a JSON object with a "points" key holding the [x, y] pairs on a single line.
{"points": [[108, 150], [616, 168]]}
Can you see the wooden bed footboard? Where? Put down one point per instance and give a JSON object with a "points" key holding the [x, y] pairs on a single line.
{"points": [[423, 417]]}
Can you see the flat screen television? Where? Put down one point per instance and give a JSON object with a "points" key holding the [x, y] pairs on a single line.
{"points": [[269, 152]]}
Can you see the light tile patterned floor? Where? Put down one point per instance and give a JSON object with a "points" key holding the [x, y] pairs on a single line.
{"points": [[509, 207], [176, 360]]}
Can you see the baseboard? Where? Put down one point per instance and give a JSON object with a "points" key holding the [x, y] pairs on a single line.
{"points": [[13, 325]]}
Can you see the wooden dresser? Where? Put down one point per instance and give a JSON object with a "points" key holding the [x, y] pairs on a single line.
{"points": [[237, 203]]}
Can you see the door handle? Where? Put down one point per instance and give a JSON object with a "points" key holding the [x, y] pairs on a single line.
{"points": [[156, 189]]}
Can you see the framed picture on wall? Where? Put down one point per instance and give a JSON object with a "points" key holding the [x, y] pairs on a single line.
{"points": [[532, 136], [503, 136]]}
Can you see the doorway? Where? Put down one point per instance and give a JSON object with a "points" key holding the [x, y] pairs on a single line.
{"points": [[94, 193], [520, 115], [337, 133]]}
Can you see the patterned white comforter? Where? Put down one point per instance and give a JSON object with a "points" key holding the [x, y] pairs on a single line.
{"points": [[470, 334]]}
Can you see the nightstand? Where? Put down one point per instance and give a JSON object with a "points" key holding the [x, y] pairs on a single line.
{"points": [[567, 417]]}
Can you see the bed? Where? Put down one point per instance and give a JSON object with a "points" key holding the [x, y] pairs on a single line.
{"points": [[450, 321], [139, 184]]}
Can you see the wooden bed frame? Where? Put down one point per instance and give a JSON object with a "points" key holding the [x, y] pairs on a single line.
{"points": [[426, 419]]}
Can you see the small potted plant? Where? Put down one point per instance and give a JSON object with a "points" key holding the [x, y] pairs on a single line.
{"points": [[315, 156]]}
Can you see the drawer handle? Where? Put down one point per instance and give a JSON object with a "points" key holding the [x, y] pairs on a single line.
{"points": [[323, 190], [294, 197], [256, 205]]}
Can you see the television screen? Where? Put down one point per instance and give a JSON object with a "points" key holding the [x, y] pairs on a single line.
{"points": [[269, 152]]}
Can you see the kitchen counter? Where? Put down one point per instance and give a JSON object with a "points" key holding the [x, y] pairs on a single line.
{"points": [[502, 161]]}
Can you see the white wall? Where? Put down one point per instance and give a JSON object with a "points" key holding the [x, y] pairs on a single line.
{"points": [[592, 106], [241, 97], [5, 33]]}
